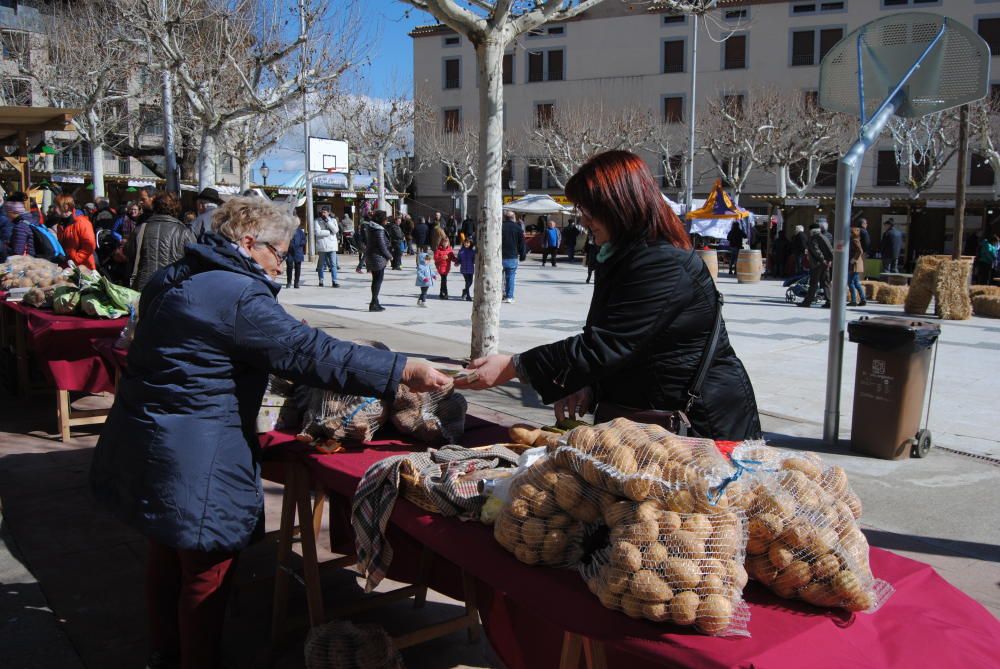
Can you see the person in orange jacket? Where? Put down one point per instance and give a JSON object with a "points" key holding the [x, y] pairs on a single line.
{"points": [[76, 234]]}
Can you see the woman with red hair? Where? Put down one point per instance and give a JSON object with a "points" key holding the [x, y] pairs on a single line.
{"points": [[76, 233], [654, 342]]}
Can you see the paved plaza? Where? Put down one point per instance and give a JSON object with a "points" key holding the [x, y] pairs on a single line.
{"points": [[83, 582]]}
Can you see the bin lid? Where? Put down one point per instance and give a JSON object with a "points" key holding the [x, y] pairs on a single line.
{"points": [[886, 332]]}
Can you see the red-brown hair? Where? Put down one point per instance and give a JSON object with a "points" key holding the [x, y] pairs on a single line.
{"points": [[617, 188]]}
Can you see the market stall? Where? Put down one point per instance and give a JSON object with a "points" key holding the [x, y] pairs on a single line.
{"points": [[538, 205], [715, 216], [545, 617]]}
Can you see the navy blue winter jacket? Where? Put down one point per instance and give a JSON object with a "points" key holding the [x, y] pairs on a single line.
{"points": [[297, 247], [178, 455]]}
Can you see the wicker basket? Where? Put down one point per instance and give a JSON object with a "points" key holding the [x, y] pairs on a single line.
{"points": [[411, 488]]}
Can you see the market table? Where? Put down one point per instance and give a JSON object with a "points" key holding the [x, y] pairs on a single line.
{"points": [[63, 345], [538, 617]]}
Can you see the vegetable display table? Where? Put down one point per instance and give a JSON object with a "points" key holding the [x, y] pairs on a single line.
{"points": [[538, 617], [63, 346]]}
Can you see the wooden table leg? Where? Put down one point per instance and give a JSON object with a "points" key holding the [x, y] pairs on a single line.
{"points": [[62, 414], [594, 655], [423, 576], [310, 562], [280, 603], [471, 608], [317, 513], [571, 650]]}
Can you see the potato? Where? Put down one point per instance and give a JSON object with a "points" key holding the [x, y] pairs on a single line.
{"points": [[655, 555], [548, 479], [648, 511], [757, 546], [761, 569], [794, 576], [525, 491], [554, 546], [780, 556], [533, 532], [639, 486], [712, 566], [615, 579], [766, 527], [854, 504], [558, 521], [713, 584], [543, 504], [725, 542], [655, 611], [526, 554], [834, 481], [714, 614], [797, 534], [845, 584], [807, 467], [685, 544], [611, 600], [618, 513], [819, 594], [825, 566], [698, 524], [621, 458], [684, 608], [644, 532], [586, 511], [646, 585], [863, 600], [582, 438], [626, 557], [670, 521], [608, 438], [509, 528], [519, 508], [681, 573], [680, 501], [551, 440], [738, 576], [522, 433], [632, 606], [568, 491]]}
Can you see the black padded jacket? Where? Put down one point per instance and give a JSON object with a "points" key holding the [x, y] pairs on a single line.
{"points": [[163, 243]]}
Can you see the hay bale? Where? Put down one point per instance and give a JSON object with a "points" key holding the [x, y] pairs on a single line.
{"points": [[976, 291], [922, 285], [951, 290], [986, 305], [872, 289], [892, 294]]}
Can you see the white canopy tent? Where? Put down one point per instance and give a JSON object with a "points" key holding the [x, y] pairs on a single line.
{"points": [[537, 204]]}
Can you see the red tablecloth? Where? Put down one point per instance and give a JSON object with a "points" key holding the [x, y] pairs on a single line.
{"points": [[63, 345], [525, 610]]}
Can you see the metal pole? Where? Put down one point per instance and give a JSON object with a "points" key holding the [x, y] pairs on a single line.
{"points": [[169, 148], [963, 161], [692, 110], [310, 229], [847, 176]]}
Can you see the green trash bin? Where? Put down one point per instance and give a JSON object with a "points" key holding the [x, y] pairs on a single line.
{"points": [[894, 361]]}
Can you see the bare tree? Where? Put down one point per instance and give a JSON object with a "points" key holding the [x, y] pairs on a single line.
{"points": [[668, 142], [456, 150], [491, 25], [565, 137], [923, 146], [984, 133], [251, 137], [804, 139], [379, 129], [735, 133], [234, 59], [94, 79]]}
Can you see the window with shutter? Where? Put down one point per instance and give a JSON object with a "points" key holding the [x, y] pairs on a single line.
{"points": [[673, 56], [735, 53], [536, 66]]}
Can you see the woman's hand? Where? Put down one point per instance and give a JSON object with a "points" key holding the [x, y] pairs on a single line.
{"points": [[493, 370], [574, 406], [421, 377]]}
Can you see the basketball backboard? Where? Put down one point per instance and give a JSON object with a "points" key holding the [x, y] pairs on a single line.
{"points": [[948, 65], [328, 155]]}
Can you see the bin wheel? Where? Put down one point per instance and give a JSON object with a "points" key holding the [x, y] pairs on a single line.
{"points": [[922, 445]]}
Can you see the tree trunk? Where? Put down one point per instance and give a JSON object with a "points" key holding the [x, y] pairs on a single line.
{"points": [[206, 160], [97, 168], [244, 175], [381, 182], [782, 181], [489, 271], [463, 204]]}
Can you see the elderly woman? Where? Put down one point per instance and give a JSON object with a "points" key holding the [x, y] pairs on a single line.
{"points": [[655, 324], [178, 458]]}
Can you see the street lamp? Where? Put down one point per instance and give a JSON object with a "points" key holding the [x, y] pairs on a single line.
{"points": [[264, 171], [512, 185]]}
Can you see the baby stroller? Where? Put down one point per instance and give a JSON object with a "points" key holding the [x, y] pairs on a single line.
{"points": [[798, 288]]}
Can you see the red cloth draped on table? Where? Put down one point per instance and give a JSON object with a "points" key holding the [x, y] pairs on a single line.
{"points": [[64, 347], [525, 610]]}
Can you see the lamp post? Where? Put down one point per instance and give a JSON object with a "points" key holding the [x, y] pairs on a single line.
{"points": [[512, 185], [264, 171]]}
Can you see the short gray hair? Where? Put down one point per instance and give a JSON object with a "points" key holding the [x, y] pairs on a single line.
{"points": [[255, 217]]}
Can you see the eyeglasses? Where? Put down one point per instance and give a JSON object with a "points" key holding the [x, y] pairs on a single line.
{"points": [[280, 256]]}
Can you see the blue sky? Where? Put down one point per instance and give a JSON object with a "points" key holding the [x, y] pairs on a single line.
{"points": [[390, 69]]}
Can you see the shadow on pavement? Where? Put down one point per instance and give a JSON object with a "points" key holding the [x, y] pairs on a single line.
{"points": [[932, 545]]}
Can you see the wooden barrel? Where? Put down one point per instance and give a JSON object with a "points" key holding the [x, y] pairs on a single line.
{"points": [[711, 260], [748, 266]]}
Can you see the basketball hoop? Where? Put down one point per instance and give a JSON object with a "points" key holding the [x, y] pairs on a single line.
{"points": [[909, 64]]}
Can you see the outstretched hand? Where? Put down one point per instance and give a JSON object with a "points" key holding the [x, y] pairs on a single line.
{"points": [[483, 373], [574, 406], [421, 377]]}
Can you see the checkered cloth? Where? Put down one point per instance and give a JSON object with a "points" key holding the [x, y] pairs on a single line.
{"points": [[441, 471]]}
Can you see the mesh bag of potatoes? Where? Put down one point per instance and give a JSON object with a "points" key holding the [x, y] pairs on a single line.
{"points": [[804, 541], [343, 645], [430, 417], [28, 272], [666, 566], [330, 415], [545, 520], [639, 462]]}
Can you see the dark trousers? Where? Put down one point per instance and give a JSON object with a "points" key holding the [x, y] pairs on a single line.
{"points": [[292, 268], [186, 596], [377, 284], [444, 285], [983, 273], [397, 255], [423, 293], [468, 284], [549, 253], [819, 277], [361, 253]]}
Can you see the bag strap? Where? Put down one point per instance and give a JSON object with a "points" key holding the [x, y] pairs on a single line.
{"points": [[707, 356], [138, 253]]}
